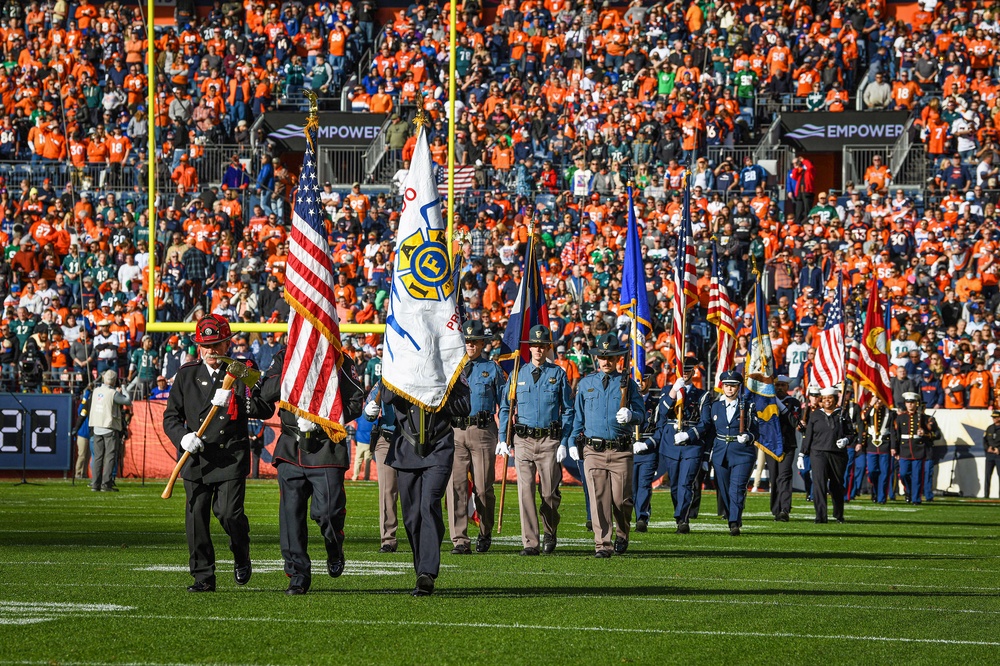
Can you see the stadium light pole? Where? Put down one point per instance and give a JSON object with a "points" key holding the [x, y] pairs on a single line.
{"points": [[152, 325]]}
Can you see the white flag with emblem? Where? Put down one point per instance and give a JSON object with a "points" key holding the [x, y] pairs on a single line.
{"points": [[424, 347]]}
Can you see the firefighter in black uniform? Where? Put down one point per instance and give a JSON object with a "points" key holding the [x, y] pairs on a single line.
{"points": [[780, 473], [422, 452], [991, 442], [215, 475], [310, 464], [913, 435], [828, 434]]}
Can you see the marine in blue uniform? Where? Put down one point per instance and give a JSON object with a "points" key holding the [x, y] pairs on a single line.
{"points": [[733, 452], [543, 410], [912, 437], [645, 457], [682, 447], [475, 443], [606, 431]]}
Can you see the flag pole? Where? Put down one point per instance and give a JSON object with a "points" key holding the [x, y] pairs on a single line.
{"points": [[452, 47], [512, 392]]}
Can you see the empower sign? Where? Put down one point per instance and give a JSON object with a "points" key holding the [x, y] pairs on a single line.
{"points": [[825, 132], [335, 128]]}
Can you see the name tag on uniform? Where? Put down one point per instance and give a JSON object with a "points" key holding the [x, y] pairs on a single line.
{"points": [[520, 383], [204, 383]]}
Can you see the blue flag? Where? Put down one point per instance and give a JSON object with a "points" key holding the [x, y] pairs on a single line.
{"points": [[634, 302], [759, 373], [529, 310]]}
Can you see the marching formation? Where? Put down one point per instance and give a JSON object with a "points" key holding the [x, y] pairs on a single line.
{"points": [[452, 398]]}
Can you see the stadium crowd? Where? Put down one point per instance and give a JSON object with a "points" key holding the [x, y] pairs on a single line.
{"points": [[554, 97]]}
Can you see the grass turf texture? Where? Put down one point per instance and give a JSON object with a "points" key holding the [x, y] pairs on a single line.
{"points": [[100, 578]]}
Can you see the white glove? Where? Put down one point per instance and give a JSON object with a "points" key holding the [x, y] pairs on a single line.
{"points": [[781, 405], [192, 443], [743, 439], [678, 385], [640, 447], [800, 462], [304, 425], [681, 437], [561, 454], [574, 453], [221, 397], [502, 449], [371, 410], [842, 442], [624, 415]]}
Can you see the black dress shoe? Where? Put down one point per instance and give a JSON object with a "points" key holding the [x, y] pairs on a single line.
{"points": [[242, 573], [782, 517], [603, 554], [109, 489], [641, 526], [295, 589], [548, 544], [621, 545], [529, 551], [821, 521], [683, 528], [386, 549], [335, 567], [95, 489], [483, 544], [461, 550], [840, 520], [734, 529], [425, 586], [203, 586], [590, 526]]}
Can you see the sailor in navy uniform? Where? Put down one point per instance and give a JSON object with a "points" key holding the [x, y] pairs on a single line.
{"points": [[215, 476], [682, 447], [646, 459], [733, 451]]}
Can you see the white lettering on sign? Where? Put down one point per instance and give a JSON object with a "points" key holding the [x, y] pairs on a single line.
{"points": [[348, 132], [864, 131]]}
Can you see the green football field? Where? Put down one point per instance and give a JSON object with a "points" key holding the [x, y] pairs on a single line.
{"points": [[99, 578]]}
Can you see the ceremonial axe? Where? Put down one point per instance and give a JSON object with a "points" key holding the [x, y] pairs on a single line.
{"points": [[235, 370]]}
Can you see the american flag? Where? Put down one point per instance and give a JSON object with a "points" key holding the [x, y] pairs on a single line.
{"points": [[465, 179], [309, 384], [828, 366], [685, 280], [720, 314]]}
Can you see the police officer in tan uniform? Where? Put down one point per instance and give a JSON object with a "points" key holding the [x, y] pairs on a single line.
{"points": [[475, 441]]}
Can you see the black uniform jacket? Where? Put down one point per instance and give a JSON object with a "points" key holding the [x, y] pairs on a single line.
{"points": [[227, 441], [439, 436], [313, 449]]}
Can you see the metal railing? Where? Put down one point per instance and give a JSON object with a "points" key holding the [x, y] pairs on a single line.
{"points": [[377, 150], [342, 166], [857, 159]]}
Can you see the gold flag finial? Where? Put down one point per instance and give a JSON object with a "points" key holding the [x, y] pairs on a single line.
{"points": [[312, 119], [421, 119]]}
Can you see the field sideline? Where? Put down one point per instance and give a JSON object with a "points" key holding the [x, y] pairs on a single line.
{"points": [[99, 578]]}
